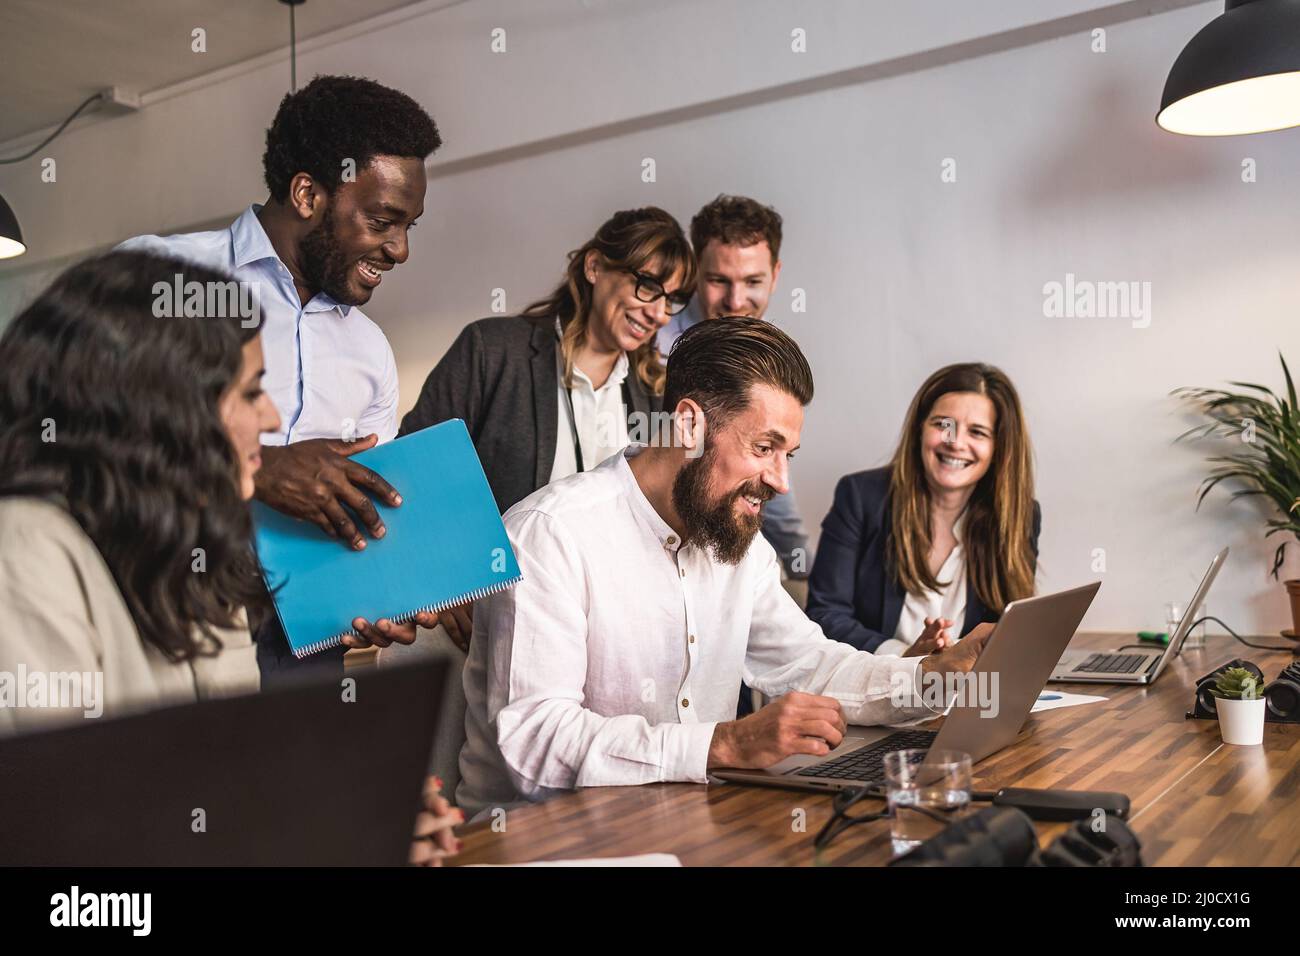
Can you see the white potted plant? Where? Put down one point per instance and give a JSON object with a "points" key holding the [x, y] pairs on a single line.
{"points": [[1239, 701]]}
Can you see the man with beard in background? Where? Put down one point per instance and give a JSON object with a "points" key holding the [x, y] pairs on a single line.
{"points": [[648, 595], [344, 165]]}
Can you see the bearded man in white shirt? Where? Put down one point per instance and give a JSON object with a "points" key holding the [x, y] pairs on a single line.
{"points": [[648, 596]]}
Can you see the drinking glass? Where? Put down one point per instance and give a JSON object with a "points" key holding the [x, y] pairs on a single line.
{"points": [[926, 790]]}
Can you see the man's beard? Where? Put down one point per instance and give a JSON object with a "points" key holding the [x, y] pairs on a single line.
{"points": [[324, 265], [715, 526]]}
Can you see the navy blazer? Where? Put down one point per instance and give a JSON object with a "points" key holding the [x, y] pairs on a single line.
{"points": [[852, 593]]}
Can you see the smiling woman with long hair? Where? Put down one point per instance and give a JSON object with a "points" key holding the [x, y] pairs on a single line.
{"points": [[587, 348], [559, 388], [128, 446], [915, 555]]}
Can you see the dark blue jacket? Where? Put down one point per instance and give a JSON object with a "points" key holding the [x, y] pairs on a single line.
{"points": [[852, 593]]}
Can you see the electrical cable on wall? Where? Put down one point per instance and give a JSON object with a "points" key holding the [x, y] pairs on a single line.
{"points": [[93, 98]]}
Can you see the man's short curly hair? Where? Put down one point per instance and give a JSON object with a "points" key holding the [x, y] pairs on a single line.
{"points": [[334, 118], [737, 221]]}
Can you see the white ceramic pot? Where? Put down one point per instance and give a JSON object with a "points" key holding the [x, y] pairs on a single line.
{"points": [[1241, 722]]}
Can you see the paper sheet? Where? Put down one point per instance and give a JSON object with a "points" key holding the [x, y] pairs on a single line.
{"points": [[1052, 699]]}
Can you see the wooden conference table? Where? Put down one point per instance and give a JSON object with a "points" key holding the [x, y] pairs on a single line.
{"points": [[1195, 800]]}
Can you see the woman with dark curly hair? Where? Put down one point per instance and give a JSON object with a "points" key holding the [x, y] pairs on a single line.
{"points": [[129, 444], [129, 439]]}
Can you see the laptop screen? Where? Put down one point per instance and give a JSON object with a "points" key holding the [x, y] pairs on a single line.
{"points": [[1189, 616]]}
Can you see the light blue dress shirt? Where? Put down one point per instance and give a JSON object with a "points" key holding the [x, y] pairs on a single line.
{"points": [[782, 525], [329, 369], [677, 324]]}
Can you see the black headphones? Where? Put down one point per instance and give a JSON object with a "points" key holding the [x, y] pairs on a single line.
{"points": [[1281, 697], [1004, 836]]}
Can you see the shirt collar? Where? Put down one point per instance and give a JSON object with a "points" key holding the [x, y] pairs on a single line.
{"points": [[668, 538], [249, 240], [619, 373], [250, 243], [616, 376]]}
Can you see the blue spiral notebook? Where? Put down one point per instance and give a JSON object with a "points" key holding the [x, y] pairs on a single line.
{"points": [[445, 545]]}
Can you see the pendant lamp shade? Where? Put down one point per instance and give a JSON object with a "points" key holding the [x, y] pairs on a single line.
{"points": [[11, 237], [1240, 74]]}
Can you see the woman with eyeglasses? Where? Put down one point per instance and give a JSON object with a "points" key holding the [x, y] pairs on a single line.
{"points": [[561, 387]]}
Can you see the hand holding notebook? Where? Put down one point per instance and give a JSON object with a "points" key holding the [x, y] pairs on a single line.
{"points": [[384, 633], [445, 545], [320, 481]]}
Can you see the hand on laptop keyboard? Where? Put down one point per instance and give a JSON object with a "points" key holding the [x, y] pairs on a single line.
{"points": [[796, 723]]}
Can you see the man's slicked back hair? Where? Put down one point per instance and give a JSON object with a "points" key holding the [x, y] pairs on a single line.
{"points": [[717, 362]]}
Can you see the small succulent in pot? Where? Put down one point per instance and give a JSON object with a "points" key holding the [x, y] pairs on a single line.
{"points": [[1237, 683], [1239, 701]]}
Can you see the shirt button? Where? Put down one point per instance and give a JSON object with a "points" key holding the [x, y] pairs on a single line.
{"points": [[683, 571], [685, 702], [692, 638], [671, 540]]}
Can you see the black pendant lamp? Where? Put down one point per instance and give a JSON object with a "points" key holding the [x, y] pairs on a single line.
{"points": [[1240, 74], [11, 237]]}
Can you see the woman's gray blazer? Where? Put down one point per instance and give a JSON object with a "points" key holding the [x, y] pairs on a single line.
{"points": [[500, 377]]}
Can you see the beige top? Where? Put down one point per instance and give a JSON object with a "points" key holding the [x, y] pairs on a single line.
{"points": [[68, 645]]}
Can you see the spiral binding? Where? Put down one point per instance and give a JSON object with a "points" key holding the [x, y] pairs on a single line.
{"points": [[475, 595]]}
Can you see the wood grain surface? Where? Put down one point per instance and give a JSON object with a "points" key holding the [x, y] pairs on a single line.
{"points": [[1195, 800]]}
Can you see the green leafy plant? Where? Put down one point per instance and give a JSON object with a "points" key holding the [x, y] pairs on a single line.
{"points": [[1266, 426], [1237, 683]]}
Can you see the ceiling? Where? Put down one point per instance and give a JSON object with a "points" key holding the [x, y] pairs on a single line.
{"points": [[55, 54]]}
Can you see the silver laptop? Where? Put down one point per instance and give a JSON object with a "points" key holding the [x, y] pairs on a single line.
{"points": [[1010, 673], [1135, 664]]}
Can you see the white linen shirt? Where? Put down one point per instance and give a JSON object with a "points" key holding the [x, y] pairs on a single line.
{"points": [[329, 369], [618, 653]]}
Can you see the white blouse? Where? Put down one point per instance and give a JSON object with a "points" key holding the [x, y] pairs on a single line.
{"points": [[947, 602], [599, 415]]}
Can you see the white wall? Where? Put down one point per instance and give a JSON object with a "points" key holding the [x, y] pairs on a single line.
{"points": [[1060, 169]]}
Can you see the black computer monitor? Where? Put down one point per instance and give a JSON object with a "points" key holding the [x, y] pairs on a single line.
{"points": [[321, 774]]}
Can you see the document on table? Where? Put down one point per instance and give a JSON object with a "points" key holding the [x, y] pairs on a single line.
{"points": [[1052, 699]]}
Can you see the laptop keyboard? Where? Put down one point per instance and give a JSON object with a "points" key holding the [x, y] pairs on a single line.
{"points": [[1112, 663], [867, 764]]}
